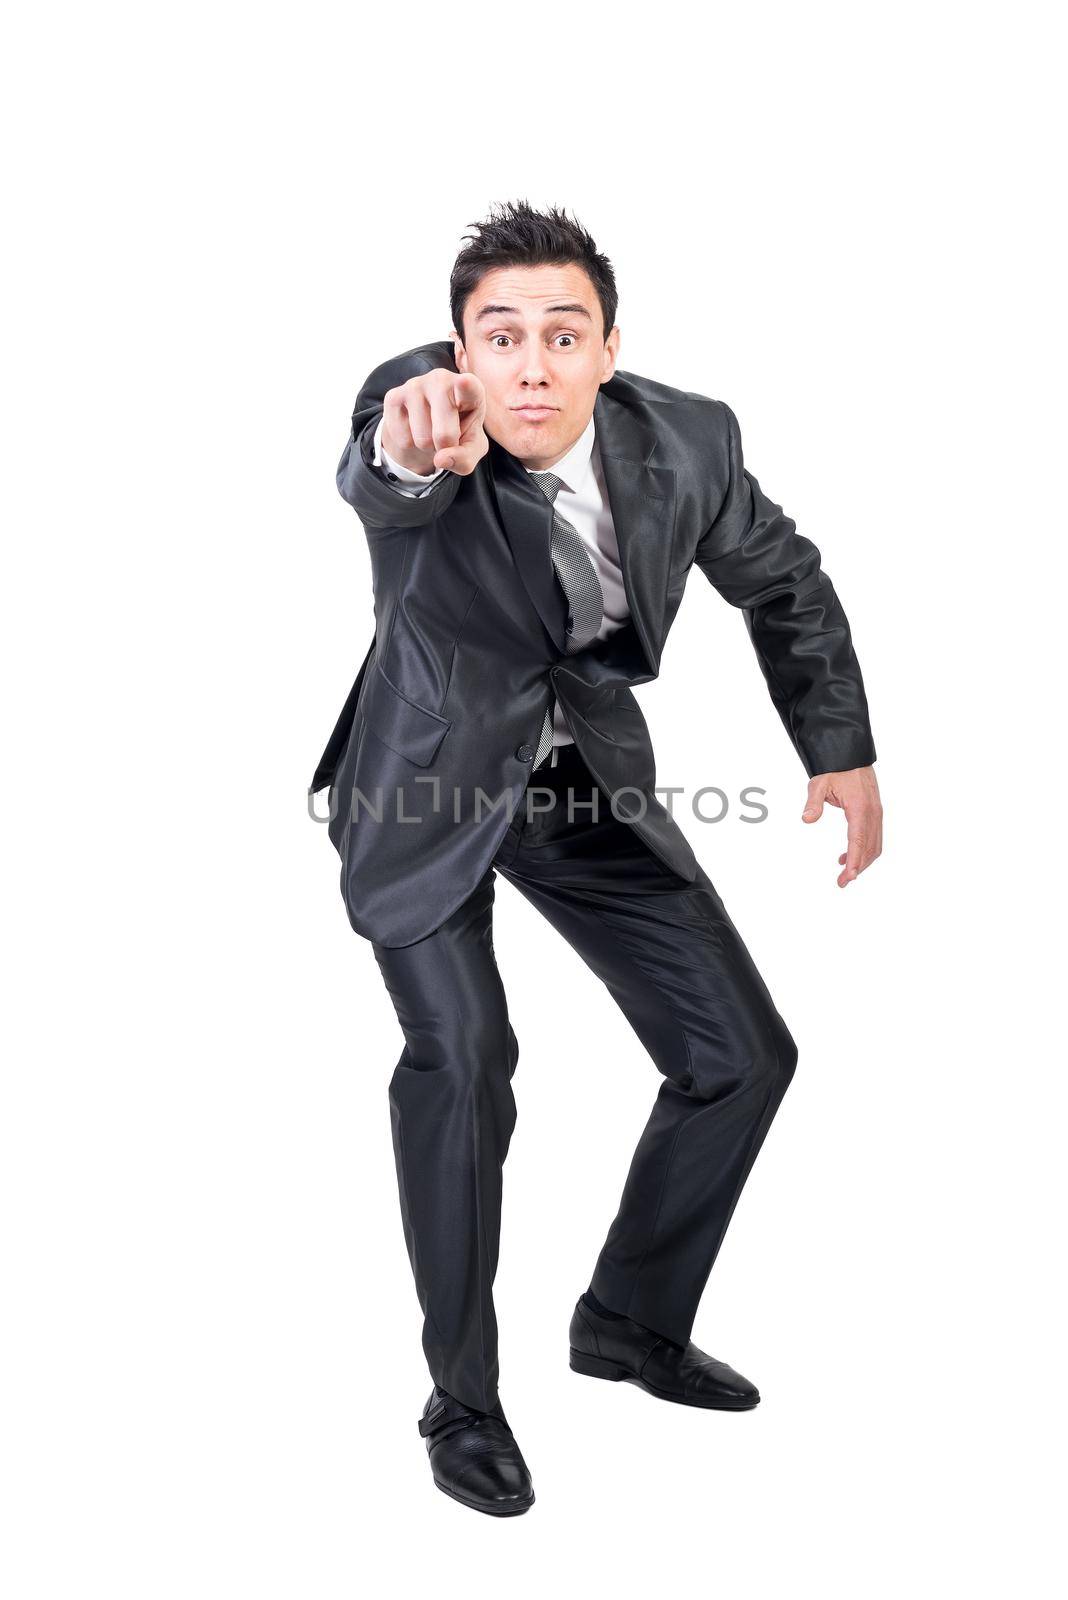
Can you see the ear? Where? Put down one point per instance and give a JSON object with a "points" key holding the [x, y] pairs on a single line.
{"points": [[459, 354], [611, 352]]}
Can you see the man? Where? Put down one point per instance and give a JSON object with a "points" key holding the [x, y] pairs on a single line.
{"points": [[533, 515]]}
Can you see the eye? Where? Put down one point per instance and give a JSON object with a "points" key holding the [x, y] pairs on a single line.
{"points": [[497, 336], [567, 336]]}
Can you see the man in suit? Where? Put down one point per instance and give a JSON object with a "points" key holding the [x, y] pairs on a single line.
{"points": [[533, 515]]}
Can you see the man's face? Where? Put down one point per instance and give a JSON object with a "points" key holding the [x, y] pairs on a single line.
{"points": [[535, 338]]}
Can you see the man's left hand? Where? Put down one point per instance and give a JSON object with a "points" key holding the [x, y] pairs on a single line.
{"points": [[857, 793]]}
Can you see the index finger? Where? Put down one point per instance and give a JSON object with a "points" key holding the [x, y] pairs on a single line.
{"points": [[469, 397], [855, 849], [454, 408], [859, 834], [444, 415]]}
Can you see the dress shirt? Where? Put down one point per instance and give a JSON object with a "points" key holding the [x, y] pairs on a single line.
{"points": [[582, 501]]}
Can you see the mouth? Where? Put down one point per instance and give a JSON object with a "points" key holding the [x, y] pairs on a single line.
{"points": [[534, 413]]}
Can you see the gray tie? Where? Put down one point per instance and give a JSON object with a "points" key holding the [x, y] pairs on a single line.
{"points": [[581, 586]]}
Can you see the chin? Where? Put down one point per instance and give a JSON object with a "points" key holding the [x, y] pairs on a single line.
{"points": [[532, 438]]}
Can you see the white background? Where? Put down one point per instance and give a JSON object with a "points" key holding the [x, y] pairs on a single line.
{"points": [[840, 220]]}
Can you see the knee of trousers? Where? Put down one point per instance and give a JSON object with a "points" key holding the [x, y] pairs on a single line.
{"points": [[763, 1056], [466, 1051], [785, 1053]]}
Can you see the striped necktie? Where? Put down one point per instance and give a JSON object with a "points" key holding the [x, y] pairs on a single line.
{"points": [[582, 589]]}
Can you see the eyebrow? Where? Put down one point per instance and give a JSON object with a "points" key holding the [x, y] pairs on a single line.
{"points": [[513, 311]]}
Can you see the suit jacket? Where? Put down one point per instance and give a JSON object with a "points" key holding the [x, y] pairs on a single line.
{"points": [[438, 733]]}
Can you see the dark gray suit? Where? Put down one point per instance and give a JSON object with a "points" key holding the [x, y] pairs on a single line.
{"points": [[469, 641]]}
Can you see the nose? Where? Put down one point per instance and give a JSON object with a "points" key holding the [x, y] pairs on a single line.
{"points": [[534, 371]]}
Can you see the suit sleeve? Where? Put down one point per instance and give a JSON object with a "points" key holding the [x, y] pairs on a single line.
{"points": [[754, 556], [377, 502]]}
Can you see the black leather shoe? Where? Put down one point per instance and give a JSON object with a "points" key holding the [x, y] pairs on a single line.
{"points": [[619, 1349], [474, 1457]]}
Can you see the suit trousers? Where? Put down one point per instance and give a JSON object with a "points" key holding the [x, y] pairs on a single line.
{"points": [[673, 962]]}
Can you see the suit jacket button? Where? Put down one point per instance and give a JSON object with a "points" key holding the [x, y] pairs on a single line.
{"points": [[526, 752]]}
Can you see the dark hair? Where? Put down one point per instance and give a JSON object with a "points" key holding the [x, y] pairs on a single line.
{"points": [[515, 235]]}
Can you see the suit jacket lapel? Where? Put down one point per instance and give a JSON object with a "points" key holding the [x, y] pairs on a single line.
{"points": [[527, 518], [642, 500]]}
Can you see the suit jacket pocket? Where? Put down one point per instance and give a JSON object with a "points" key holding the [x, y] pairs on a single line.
{"points": [[407, 728]]}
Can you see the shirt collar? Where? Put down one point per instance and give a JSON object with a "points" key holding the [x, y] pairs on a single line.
{"points": [[572, 468]]}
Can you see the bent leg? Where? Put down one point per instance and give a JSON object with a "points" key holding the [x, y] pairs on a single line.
{"points": [[453, 1113], [675, 964], [708, 1122]]}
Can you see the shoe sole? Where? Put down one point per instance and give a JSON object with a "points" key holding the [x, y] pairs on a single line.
{"points": [[477, 1505], [598, 1367]]}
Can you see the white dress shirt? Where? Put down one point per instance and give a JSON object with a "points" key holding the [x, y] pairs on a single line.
{"points": [[582, 500]]}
